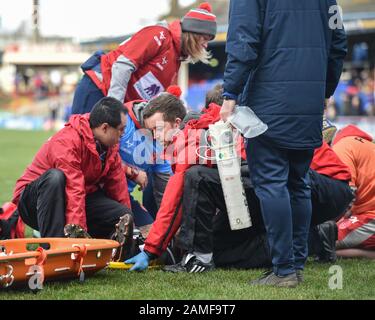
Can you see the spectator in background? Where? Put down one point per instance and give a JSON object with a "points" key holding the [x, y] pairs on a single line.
{"points": [[54, 107], [38, 86], [56, 81], [147, 63], [17, 82], [360, 54], [356, 96], [67, 112]]}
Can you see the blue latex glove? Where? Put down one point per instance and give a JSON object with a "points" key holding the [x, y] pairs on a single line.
{"points": [[140, 261]]}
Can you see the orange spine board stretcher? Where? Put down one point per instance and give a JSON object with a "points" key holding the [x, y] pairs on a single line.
{"points": [[64, 259]]}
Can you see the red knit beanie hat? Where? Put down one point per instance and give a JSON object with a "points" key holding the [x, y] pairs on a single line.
{"points": [[200, 20]]}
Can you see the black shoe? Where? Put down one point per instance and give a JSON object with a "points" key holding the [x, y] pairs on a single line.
{"points": [[175, 268], [124, 236], [269, 278], [190, 264], [328, 233]]}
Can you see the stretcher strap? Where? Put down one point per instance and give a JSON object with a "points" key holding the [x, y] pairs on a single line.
{"points": [[78, 258], [7, 279], [40, 262]]}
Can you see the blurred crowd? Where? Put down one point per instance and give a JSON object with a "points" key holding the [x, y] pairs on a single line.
{"points": [[41, 84], [355, 95]]}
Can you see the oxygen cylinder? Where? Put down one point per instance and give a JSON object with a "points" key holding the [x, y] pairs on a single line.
{"points": [[224, 144]]}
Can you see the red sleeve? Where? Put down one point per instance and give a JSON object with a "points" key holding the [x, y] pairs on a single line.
{"points": [[344, 150], [145, 44], [115, 183], [327, 162], [67, 159], [168, 219]]}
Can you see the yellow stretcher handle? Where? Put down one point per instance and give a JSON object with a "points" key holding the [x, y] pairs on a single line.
{"points": [[126, 266]]}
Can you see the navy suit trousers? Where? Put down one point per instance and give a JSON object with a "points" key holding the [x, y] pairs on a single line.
{"points": [[281, 182]]}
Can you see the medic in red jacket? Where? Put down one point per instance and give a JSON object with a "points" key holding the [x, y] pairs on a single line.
{"points": [[73, 150], [147, 63], [153, 56], [170, 213], [182, 154]]}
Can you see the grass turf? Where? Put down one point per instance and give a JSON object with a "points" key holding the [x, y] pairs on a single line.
{"points": [[17, 150]]}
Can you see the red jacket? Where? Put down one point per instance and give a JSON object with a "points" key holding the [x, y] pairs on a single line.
{"points": [[155, 53], [7, 211], [170, 213], [73, 151], [357, 150], [351, 131], [327, 162]]}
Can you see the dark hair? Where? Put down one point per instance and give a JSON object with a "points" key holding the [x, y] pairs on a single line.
{"points": [[215, 95], [169, 105], [107, 110]]}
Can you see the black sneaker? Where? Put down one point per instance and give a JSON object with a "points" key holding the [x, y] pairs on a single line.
{"points": [[328, 234], [175, 268], [269, 278], [124, 236], [190, 264]]}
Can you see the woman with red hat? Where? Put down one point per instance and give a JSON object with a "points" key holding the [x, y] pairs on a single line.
{"points": [[148, 62]]}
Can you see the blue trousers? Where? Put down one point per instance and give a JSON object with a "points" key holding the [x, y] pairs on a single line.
{"points": [[281, 182], [87, 94], [141, 216], [145, 214]]}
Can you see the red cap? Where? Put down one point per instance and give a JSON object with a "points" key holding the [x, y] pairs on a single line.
{"points": [[200, 20]]}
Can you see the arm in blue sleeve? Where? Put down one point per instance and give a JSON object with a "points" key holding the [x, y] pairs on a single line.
{"points": [[243, 43], [336, 58]]}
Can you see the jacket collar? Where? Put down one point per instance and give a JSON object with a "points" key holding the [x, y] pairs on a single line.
{"points": [[175, 29], [81, 124], [135, 109]]}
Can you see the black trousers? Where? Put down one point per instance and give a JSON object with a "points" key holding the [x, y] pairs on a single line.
{"points": [[205, 226], [330, 198], [42, 207]]}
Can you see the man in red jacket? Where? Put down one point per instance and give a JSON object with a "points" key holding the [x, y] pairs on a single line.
{"points": [[76, 178]]}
